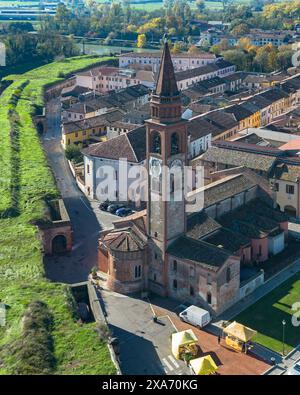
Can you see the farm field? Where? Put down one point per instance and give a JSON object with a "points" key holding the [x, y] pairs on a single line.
{"points": [[151, 6], [77, 347]]}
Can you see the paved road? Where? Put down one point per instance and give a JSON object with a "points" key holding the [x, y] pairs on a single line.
{"points": [[145, 346], [87, 220]]}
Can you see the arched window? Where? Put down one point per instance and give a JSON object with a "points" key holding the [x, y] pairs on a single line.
{"points": [[156, 143], [175, 266], [228, 275], [174, 144], [208, 297]]}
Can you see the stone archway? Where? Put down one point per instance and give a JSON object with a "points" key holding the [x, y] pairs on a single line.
{"points": [[59, 244], [290, 211]]}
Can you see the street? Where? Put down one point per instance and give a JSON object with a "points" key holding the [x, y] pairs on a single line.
{"points": [[86, 218]]}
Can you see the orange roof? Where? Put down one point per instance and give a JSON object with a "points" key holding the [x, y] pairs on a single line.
{"points": [[291, 145]]}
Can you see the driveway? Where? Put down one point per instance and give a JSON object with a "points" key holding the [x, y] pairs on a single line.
{"points": [[87, 220]]}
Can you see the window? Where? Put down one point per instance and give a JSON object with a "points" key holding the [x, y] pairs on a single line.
{"points": [[175, 284], [154, 277], [276, 186], [192, 271], [137, 271], [192, 292], [156, 143], [88, 169], [259, 250], [208, 297], [174, 144], [172, 183], [290, 189], [228, 275], [208, 279], [155, 255], [175, 266]]}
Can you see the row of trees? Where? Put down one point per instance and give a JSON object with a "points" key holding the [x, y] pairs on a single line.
{"points": [[119, 19], [22, 47], [248, 57]]}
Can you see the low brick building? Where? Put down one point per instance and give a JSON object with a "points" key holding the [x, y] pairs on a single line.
{"points": [[56, 231]]}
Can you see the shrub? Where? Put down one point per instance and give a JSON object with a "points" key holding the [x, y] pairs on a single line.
{"points": [[73, 153]]}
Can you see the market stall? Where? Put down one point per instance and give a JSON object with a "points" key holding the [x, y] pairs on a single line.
{"points": [[238, 336], [204, 365], [184, 344]]}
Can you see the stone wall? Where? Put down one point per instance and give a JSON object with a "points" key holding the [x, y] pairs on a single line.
{"points": [[249, 286], [195, 282]]}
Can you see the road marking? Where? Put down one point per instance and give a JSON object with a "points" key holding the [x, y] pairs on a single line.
{"points": [[169, 366], [172, 359]]}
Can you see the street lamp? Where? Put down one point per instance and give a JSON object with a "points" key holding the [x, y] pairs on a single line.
{"points": [[283, 327]]}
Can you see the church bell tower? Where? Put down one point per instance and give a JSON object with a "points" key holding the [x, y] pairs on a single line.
{"points": [[166, 158]]}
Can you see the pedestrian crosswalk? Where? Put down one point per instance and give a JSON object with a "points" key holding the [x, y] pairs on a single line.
{"points": [[171, 366]]}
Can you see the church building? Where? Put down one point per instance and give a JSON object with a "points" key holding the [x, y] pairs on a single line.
{"points": [[189, 257]]}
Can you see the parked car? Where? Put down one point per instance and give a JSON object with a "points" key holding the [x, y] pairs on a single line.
{"points": [[112, 208], [294, 370], [104, 205], [123, 212], [196, 316]]}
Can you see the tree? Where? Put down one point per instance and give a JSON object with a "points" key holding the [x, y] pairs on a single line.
{"points": [[240, 30], [73, 153], [284, 57], [200, 4], [177, 47], [238, 57], [245, 44], [193, 49], [141, 41]]}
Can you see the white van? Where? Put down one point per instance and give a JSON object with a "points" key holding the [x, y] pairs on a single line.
{"points": [[196, 316]]}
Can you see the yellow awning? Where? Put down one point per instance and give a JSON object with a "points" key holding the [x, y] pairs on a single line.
{"points": [[239, 331], [203, 366], [183, 338]]}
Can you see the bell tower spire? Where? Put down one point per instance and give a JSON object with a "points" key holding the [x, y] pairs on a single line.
{"points": [[165, 100]]}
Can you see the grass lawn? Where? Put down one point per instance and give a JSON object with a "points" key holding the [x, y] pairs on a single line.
{"points": [[77, 347], [267, 314]]}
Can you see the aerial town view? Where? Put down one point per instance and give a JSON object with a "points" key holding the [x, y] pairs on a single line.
{"points": [[149, 189]]}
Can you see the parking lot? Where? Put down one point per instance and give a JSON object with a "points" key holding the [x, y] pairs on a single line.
{"points": [[145, 346]]}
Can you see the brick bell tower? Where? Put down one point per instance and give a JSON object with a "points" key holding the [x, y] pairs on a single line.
{"points": [[166, 148]]}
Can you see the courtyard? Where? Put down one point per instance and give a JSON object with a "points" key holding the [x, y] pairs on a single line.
{"points": [[145, 346], [267, 314]]}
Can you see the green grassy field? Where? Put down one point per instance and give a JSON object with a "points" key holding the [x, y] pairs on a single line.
{"points": [[78, 349], [267, 314]]}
